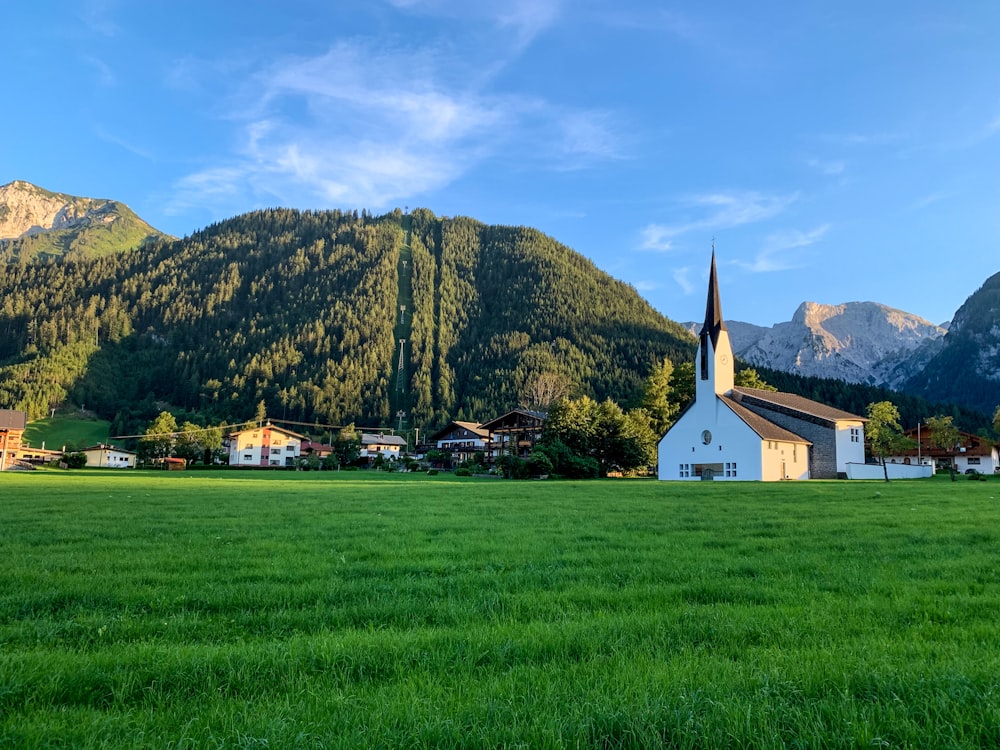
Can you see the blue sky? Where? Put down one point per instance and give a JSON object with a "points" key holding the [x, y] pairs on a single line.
{"points": [[835, 151]]}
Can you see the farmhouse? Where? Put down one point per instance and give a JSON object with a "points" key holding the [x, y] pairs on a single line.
{"points": [[972, 453], [733, 433], [515, 433], [462, 440], [387, 446], [12, 424], [108, 457], [267, 445]]}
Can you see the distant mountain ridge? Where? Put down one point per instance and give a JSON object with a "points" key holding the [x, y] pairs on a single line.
{"points": [[35, 222], [965, 369], [857, 342]]}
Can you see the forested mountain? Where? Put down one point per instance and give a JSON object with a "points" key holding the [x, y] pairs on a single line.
{"points": [[301, 310], [966, 370], [39, 224]]}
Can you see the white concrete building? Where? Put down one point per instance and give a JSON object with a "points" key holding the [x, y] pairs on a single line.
{"points": [[108, 457], [387, 446], [733, 433], [266, 445]]}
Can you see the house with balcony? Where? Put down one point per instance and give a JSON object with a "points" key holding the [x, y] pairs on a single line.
{"points": [[264, 446], [462, 440], [514, 433]]}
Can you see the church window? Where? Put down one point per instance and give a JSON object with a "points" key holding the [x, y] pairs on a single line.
{"points": [[855, 435], [704, 356]]}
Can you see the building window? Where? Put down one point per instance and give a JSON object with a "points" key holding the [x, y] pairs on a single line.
{"points": [[275, 451], [855, 435], [973, 460], [685, 470], [795, 454], [247, 457]]}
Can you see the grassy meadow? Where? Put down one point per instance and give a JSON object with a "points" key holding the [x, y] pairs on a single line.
{"points": [[70, 431], [353, 609]]}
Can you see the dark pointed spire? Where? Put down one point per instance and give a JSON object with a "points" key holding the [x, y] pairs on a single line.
{"points": [[713, 307]]}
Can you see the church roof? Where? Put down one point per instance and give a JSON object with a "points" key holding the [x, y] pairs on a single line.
{"points": [[713, 307], [791, 402], [766, 429]]}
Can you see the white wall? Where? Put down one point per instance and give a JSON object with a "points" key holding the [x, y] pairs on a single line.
{"points": [[848, 449], [732, 442], [896, 471], [777, 455]]}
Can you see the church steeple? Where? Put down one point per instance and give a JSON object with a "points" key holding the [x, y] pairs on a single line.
{"points": [[715, 353], [713, 307]]}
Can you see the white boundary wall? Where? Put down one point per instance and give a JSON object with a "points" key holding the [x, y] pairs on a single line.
{"points": [[896, 471]]}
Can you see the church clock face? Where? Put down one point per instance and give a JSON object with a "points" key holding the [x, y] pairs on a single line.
{"points": [[706, 437], [724, 359]]}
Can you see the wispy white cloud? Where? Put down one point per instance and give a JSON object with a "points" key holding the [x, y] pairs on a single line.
{"points": [[105, 75], [716, 211], [96, 16], [927, 200], [863, 139], [829, 167], [655, 237], [525, 18], [782, 250], [109, 137], [682, 276], [366, 124], [645, 286]]}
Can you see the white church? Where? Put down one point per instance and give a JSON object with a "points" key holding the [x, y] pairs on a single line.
{"points": [[745, 434]]}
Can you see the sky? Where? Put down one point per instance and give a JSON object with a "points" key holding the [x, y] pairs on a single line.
{"points": [[833, 151]]}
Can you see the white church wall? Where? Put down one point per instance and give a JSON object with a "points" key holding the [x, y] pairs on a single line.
{"points": [[781, 460], [730, 448], [850, 440]]}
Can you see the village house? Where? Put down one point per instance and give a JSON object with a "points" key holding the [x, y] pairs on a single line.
{"points": [[972, 453], [733, 433], [462, 440], [12, 424], [514, 433], [266, 445], [108, 457], [387, 446]]}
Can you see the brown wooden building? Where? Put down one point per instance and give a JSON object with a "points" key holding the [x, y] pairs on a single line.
{"points": [[12, 424], [515, 433]]}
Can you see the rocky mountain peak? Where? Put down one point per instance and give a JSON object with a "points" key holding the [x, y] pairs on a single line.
{"points": [[35, 222], [26, 209], [859, 342]]}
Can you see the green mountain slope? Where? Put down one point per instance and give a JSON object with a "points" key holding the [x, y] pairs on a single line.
{"points": [[967, 368], [39, 224], [297, 309]]}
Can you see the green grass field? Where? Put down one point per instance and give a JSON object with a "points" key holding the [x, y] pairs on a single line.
{"points": [[73, 432], [211, 610]]}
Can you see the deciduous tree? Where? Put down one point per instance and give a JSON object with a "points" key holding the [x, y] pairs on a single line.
{"points": [[883, 431]]}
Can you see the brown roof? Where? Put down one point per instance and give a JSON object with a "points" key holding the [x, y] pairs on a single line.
{"points": [[12, 419], [472, 427], [797, 403], [765, 428]]}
